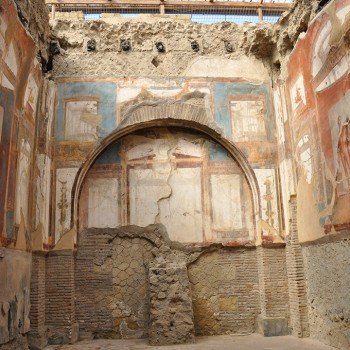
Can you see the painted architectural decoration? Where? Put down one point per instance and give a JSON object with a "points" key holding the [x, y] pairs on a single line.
{"points": [[19, 87], [319, 98], [82, 120], [20, 78], [64, 184], [248, 120], [23, 170], [88, 111], [174, 177], [339, 117]]}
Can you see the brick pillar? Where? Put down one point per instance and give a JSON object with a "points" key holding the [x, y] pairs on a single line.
{"points": [[60, 297], [296, 277], [273, 320], [37, 334]]}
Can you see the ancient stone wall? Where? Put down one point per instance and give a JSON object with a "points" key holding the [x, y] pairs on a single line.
{"points": [[328, 280], [225, 291], [115, 300], [113, 293], [112, 284], [184, 42], [141, 57], [171, 311]]}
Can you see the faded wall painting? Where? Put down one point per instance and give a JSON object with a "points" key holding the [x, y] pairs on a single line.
{"points": [[248, 119], [320, 123], [174, 177], [22, 189], [269, 201], [339, 117], [20, 79], [64, 184], [86, 112], [330, 58], [82, 120], [19, 85], [6, 102]]}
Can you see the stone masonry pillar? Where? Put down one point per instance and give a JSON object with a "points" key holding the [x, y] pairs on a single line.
{"points": [[171, 314]]}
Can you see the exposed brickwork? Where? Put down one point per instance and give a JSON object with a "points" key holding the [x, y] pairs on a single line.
{"points": [[60, 296], [106, 289], [112, 285], [170, 110], [296, 278], [37, 334], [273, 291], [274, 281], [225, 291], [88, 284]]}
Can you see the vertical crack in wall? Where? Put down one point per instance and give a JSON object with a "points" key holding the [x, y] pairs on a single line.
{"points": [[172, 146]]}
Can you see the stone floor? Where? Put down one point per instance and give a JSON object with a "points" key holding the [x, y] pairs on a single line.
{"points": [[224, 342]]}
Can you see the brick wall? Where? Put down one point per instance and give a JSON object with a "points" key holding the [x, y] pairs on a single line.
{"points": [[91, 314], [273, 286], [296, 278], [60, 297], [37, 334], [225, 291], [104, 287], [273, 279]]}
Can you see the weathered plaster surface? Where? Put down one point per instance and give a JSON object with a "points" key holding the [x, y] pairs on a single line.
{"points": [[180, 179], [317, 132], [327, 280], [220, 104], [20, 83], [319, 120], [15, 268], [292, 136]]}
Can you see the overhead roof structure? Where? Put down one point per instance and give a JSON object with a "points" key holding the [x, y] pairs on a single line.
{"points": [[171, 6], [239, 4]]}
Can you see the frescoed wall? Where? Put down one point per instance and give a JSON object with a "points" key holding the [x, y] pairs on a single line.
{"points": [[170, 176], [317, 130], [319, 120], [88, 111], [217, 157], [20, 83]]}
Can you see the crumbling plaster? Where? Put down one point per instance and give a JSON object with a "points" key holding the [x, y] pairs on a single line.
{"points": [[260, 56], [267, 43]]}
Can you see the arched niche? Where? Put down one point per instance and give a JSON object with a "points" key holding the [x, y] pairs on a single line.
{"points": [[240, 171]]}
